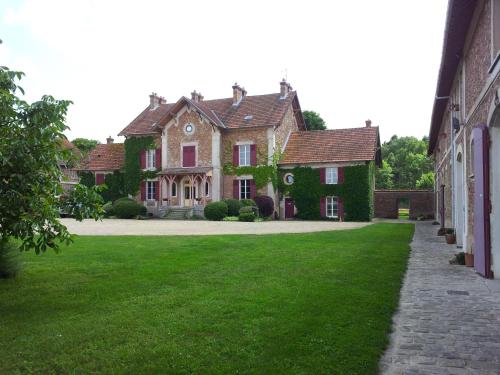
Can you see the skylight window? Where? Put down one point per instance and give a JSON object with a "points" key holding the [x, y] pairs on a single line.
{"points": [[248, 117]]}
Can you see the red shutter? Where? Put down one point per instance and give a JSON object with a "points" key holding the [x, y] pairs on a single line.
{"points": [[189, 156], [341, 209], [253, 155], [236, 155], [99, 178], [322, 174], [253, 189], [236, 189], [158, 158], [143, 159], [322, 207], [143, 190], [340, 175], [157, 190]]}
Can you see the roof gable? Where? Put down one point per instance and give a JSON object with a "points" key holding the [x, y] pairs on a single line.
{"points": [[105, 157]]}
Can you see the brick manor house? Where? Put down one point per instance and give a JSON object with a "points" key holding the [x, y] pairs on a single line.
{"points": [[195, 138]]}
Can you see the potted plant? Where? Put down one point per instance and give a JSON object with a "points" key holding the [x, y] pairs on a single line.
{"points": [[469, 259], [451, 238]]}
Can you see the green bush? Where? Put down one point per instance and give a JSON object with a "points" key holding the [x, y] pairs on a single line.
{"points": [[124, 199], [233, 206], [216, 211], [265, 205], [128, 209], [10, 259], [247, 216], [108, 209], [249, 209], [247, 202], [231, 218]]}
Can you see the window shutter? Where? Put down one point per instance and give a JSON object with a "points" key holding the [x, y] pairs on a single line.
{"points": [[253, 155], [322, 207], [143, 190], [236, 189], [158, 158], [143, 159], [340, 176], [157, 190], [189, 156], [99, 178], [340, 203], [236, 155], [322, 176], [253, 189]]}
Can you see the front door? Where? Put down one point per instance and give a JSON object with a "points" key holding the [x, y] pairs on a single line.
{"points": [[289, 208], [481, 201], [189, 193]]}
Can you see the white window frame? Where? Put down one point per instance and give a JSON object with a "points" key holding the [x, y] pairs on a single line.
{"points": [[172, 189], [150, 190], [246, 194], [330, 211], [244, 155], [151, 159], [331, 176]]}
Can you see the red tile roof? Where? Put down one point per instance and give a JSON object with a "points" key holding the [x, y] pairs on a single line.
{"points": [[336, 145], [259, 110], [106, 157]]}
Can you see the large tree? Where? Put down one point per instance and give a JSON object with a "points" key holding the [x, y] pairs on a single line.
{"points": [[85, 145], [31, 147], [408, 162], [313, 121]]}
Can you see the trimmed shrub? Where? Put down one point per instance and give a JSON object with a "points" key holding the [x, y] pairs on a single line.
{"points": [[216, 211], [108, 209], [249, 209], [233, 206], [247, 202], [265, 205], [247, 216], [124, 199], [10, 260], [128, 209]]}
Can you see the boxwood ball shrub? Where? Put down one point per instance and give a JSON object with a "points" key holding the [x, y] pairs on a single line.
{"points": [[247, 202], [249, 209], [247, 216], [233, 207], [128, 209], [216, 211], [265, 205]]}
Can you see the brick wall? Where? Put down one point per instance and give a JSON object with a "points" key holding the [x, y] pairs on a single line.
{"points": [[288, 125], [421, 203]]}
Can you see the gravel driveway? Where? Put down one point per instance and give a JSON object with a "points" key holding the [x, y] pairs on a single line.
{"points": [[117, 227]]}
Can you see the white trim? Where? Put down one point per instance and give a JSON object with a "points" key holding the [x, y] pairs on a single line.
{"points": [[334, 180], [216, 164], [192, 125], [248, 161], [333, 197], [241, 143], [249, 188]]}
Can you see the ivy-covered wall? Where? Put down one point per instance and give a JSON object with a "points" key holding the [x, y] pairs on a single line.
{"points": [[132, 167], [356, 191]]}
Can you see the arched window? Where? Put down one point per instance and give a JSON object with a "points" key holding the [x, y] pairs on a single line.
{"points": [[174, 189], [207, 189]]}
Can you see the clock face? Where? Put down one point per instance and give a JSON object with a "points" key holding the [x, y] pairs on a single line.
{"points": [[289, 179], [189, 128]]}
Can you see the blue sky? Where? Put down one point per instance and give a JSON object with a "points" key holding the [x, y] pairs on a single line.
{"points": [[349, 61]]}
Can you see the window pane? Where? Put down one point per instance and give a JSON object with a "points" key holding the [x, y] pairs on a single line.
{"points": [[332, 175], [244, 155]]}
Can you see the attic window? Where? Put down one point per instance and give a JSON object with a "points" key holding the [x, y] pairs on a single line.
{"points": [[248, 117]]}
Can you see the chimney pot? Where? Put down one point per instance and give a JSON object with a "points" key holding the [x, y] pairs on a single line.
{"points": [[238, 93], [154, 100], [285, 88], [368, 123], [109, 140], [196, 96]]}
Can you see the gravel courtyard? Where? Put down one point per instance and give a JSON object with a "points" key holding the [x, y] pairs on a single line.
{"points": [[117, 227]]}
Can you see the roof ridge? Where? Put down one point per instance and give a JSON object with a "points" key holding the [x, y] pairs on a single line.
{"points": [[337, 129]]}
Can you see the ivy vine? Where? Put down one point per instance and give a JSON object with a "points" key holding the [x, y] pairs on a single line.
{"points": [[132, 168]]}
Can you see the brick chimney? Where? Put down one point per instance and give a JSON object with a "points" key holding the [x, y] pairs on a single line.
{"points": [[154, 101], [285, 88], [196, 96], [238, 93], [368, 123], [109, 140]]}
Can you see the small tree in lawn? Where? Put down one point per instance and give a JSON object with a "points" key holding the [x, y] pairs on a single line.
{"points": [[30, 148]]}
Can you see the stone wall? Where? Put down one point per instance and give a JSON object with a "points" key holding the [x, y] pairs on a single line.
{"points": [[421, 203]]}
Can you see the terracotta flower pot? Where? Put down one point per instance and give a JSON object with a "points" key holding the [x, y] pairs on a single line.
{"points": [[450, 239], [469, 260]]}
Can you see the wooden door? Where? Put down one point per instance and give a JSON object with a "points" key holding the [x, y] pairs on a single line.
{"points": [[289, 208]]}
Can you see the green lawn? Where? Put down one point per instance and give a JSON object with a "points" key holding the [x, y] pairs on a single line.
{"points": [[404, 213], [318, 303]]}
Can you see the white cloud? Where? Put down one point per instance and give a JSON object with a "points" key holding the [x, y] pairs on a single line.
{"points": [[348, 60]]}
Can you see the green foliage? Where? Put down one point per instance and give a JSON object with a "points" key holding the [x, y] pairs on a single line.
{"points": [[126, 209], [265, 205], [247, 202], [10, 259], [116, 186], [233, 206], [85, 145], [356, 192], [426, 181], [384, 176], [231, 218], [72, 203], [86, 178], [249, 209], [313, 121], [408, 161], [124, 199], [247, 216], [132, 168], [216, 211], [108, 209], [30, 178]]}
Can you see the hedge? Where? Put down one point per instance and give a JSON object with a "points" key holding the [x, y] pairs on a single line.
{"points": [[215, 211]]}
